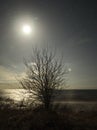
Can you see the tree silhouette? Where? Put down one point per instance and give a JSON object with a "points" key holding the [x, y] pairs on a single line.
{"points": [[44, 76]]}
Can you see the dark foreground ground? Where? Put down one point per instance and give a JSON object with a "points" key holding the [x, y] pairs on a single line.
{"points": [[77, 115], [40, 119]]}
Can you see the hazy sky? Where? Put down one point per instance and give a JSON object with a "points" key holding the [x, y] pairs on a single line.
{"points": [[70, 25]]}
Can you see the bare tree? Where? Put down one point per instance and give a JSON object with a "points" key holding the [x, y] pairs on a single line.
{"points": [[45, 74]]}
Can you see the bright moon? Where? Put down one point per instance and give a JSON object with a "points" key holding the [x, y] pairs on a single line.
{"points": [[27, 29]]}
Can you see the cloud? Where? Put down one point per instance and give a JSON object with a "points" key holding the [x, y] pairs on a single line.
{"points": [[7, 75], [9, 78]]}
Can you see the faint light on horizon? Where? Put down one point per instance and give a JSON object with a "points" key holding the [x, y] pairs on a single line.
{"points": [[69, 69]]}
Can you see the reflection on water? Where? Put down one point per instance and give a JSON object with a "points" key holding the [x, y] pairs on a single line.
{"points": [[82, 99], [63, 96], [15, 94]]}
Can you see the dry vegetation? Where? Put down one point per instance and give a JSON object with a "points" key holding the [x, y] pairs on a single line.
{"points": [[37, 118]]}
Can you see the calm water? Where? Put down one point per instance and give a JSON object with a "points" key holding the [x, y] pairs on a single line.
{"points": [[66, 95], [15, 94], [82, 98]]}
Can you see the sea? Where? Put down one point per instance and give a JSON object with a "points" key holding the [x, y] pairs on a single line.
{"points": [[82, 99]]}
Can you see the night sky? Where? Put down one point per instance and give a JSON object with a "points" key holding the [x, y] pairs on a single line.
{"points": [[70, 25]]}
